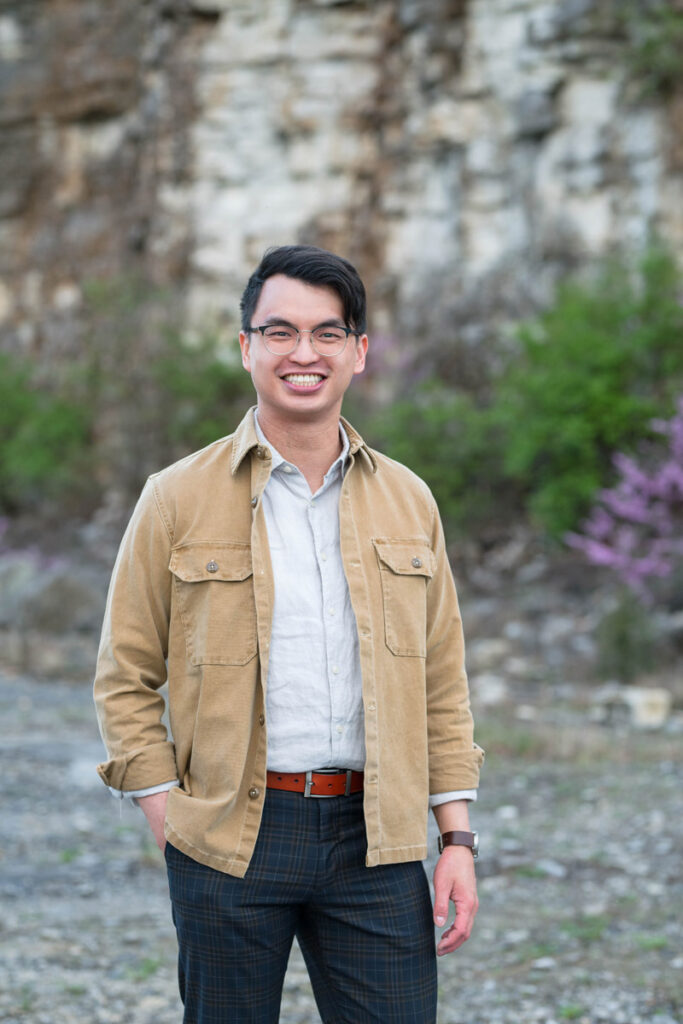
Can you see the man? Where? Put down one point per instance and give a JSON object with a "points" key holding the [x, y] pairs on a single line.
{"points": [[295, 583]]}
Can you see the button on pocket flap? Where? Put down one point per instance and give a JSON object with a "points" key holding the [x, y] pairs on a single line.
{"points": [[406, 557], [194, 563]]}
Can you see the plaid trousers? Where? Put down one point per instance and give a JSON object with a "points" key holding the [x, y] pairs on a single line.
{"points": [[366, 933]]}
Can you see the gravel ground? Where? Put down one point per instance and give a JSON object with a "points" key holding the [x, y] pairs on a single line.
{"points": [[581, 914]]}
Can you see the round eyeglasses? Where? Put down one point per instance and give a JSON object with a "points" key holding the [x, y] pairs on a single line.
{"points": [[281, 339]]}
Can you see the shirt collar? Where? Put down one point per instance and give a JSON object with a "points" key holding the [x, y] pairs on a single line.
{"points": [[245, 438], [277, 460]]}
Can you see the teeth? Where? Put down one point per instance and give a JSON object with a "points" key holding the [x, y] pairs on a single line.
{"points": [[303, 379]]}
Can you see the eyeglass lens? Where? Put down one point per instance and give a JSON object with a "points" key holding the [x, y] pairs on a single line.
{"points": [[281, 339]]}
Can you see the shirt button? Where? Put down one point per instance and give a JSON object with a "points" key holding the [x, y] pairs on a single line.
{"points": [[417, 563], [287, 469], [340, 729], [312, 504], [261, 719], [323, 558], [212, 566], [335, 670], [254, 792], [331, 611]]}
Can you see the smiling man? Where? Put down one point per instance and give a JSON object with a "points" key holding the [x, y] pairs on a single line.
{"points": [[292, 585]]}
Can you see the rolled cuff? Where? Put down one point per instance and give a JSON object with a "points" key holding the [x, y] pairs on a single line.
{"points": [[457, 794], [140, 769], [134, 794], [448, 775]]}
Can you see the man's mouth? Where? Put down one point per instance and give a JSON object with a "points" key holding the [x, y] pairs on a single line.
{"points": [[304, 380]]}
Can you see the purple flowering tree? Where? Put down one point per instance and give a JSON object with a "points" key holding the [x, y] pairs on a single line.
{"points": [[636, 527]]}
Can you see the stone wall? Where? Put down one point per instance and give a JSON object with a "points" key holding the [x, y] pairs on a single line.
{"points": [[465, 153]]}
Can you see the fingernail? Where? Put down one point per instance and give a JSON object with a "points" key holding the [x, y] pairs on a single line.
{"points": [[440, 920]]}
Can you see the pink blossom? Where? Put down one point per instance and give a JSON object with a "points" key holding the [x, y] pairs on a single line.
{"points": [[636, 527]]}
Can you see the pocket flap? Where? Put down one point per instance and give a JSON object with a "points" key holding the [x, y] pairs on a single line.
{"points": [[406, 557], [204, 560]]}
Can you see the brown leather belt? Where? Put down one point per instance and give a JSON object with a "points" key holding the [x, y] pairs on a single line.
{"points": [[326, 782]]}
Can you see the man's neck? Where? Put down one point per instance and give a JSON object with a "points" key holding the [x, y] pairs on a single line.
{"points": [[311, 446]]}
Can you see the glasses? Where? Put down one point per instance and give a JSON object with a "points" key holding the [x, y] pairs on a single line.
{"points": [[280, 339]]}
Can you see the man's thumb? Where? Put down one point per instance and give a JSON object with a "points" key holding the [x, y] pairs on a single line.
{"points": [[440, 911]]}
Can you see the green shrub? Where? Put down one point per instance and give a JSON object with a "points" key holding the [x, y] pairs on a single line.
{"points": [[44, 442], [206, 396], [593, 371], [627, 640], [137, 398], [587, 378], [654, 33], [451, 443]]}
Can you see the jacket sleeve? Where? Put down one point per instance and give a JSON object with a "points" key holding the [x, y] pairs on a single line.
{"points": [[454, 757], [131, 664]]}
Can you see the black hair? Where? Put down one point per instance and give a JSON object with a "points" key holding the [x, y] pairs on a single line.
{"points": [[314, 266]]}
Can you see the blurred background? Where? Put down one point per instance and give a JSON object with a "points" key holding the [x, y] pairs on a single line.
{"points": [[507, 175]]}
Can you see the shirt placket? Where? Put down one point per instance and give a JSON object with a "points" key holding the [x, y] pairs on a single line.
{"points": [[320, 508]]}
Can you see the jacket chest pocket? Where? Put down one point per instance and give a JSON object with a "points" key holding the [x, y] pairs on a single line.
{"points": [[405, 568], [213, 588]]}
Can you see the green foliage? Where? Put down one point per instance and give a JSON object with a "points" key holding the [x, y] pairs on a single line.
{"points": [[571, 1011], [592, 372], [652, 943], [206, 395], [155, 395], [654, 31], [586, 379], [44, 441], [450, 442], [587, 928], [138, 397], [627, 640], [145, 969]]}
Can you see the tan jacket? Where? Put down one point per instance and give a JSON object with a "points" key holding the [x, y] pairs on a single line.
{"points": [[193, 587]]}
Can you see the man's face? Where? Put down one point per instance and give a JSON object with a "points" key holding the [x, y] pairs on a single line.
{"points": [[302, 385]]}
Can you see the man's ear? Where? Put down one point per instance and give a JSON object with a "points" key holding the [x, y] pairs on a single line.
{"points": [[361, 352], [245, 350]]}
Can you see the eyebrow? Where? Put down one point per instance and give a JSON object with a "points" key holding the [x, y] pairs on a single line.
{"points": [[273, 320]]}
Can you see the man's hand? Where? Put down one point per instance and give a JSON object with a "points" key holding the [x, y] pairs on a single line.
{"points": [[454, 880], [154, 807]]}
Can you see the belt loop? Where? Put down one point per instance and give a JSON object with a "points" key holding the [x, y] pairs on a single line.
{"points": [[309, 783], [347, 791]]}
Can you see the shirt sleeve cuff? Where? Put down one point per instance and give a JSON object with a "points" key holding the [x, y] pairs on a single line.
{"points": [[457, 794], [133, 794]]}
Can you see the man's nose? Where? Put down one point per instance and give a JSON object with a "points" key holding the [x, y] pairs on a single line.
{"points": [[304, 351]]}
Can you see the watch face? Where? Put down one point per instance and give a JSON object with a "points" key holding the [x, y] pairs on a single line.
{"points": [[475, 844]]}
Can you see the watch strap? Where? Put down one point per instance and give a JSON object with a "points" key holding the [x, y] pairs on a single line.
{"points": [[457, 839]]}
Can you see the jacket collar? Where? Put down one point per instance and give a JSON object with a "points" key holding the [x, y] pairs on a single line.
{"points": [[245, 438]]}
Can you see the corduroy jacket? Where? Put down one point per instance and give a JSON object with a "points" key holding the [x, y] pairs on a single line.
{"points": [[191, 602]]}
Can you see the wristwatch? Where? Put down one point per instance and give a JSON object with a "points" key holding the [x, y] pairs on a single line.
{"points": [[470, 839]]}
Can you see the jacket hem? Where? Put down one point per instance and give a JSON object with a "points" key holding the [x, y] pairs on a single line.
{"points": [[228, 866], [395, 855]]}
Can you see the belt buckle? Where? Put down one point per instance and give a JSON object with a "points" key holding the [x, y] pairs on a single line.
{"points": [[327, 771]]}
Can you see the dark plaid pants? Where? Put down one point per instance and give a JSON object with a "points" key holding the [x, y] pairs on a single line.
{"points": [[366, 933]]}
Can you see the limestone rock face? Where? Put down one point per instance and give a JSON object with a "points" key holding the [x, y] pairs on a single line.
{"points": [[464, 153]]}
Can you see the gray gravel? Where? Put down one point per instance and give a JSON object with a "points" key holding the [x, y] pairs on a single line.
{"points": [[581, 913]]}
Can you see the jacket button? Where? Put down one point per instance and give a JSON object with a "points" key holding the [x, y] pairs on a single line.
{"points": [[254, 792], [254, 501], [261, 719], [417, 562], [212, 566], [263, 453]]}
